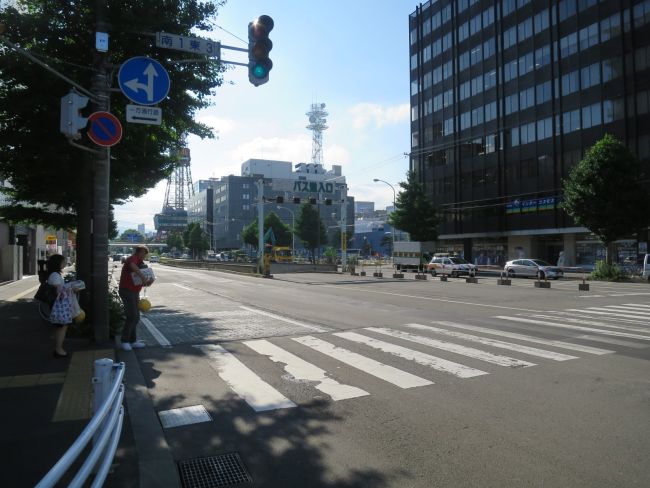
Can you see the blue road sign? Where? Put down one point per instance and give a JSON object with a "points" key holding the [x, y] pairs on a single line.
{"points": [[143, 80], [105, 129]]}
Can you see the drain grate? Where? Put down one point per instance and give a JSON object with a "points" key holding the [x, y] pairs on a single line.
{"points": [[213, 471]]}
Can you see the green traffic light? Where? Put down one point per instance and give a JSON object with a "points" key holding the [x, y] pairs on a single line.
{"points": [[259, 71]]}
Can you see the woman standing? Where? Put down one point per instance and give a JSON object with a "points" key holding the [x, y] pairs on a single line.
{"points": [[130, 295], [54, 266]]}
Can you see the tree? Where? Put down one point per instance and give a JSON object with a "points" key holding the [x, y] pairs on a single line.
{"points": [[174, 241], [387, 242], [195, 239], [131, 235], [54, 189], [414, 213], [281, 231], [606, 192], [310, 229], [335, 238]]}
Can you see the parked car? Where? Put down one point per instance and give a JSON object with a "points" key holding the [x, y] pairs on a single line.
{"points": [[186, 256], [117, 257], [449, 265], [154, 258], [532, 267]]}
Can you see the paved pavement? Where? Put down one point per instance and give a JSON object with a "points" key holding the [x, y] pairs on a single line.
{"points": [[46, 401]]}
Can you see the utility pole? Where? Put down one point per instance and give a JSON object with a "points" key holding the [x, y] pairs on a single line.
{"points": [[101, 174], [344, 228]]}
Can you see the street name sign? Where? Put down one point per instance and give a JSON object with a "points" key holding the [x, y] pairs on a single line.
{"points": [[105, 129], [143, 115], [195, 45], [143, 80]]}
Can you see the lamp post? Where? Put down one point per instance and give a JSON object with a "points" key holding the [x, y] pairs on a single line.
{"points": [[392, 227], [293, 232]]}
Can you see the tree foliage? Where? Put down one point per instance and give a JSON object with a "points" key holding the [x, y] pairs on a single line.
{"points": [[174, 241], [195, 239], [62, 34], [606, 191], [281, 231], [132, 235], [310, 228], [414, 213]]}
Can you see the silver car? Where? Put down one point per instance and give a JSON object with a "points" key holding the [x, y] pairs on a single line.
{"points": [[532, 267]]}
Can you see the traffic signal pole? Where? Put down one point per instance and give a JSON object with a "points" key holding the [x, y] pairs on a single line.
{"points": [[100, 208]]}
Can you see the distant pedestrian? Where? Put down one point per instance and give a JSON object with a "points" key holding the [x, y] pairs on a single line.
{"points": [[54, 267], [130, 295]]}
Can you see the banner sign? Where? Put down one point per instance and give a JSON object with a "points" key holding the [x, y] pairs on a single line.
{"points": [[534, 205]]}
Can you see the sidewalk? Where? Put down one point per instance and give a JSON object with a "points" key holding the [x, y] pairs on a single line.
{"points": [[45, 402]]}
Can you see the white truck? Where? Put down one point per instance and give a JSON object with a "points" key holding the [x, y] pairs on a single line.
{"points": [[412, 255]]}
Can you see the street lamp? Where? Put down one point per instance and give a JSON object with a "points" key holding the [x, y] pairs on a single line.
{"points": [[392, 227], [293, 231]]}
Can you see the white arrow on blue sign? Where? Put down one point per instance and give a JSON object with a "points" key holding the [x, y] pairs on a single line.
{"points": [[143, 80]]}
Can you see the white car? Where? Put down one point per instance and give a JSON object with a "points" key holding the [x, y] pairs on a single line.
{"points": [[452, 266], [532, 267], [154, 258]]}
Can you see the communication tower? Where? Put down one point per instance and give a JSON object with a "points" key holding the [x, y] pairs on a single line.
{"points": [[173, 217], [317, 124]]}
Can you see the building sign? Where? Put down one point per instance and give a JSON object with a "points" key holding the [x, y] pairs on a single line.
{"points": [[313, 187], [527, 206]]}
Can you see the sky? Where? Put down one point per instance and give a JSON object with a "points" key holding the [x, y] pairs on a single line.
{"points": [[351, 55]]}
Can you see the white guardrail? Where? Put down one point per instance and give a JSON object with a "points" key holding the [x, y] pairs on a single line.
{"points": [[103, 429]]}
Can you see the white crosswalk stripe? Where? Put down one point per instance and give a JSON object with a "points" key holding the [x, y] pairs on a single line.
{"points": [[375, 368], [527, 338], [589, 320], [533, 351], [575, 327], [251, 388], [640, 305], [634, 313], [608, 313], [412, 355], [455, 348], [578, 315], [302, 370]]}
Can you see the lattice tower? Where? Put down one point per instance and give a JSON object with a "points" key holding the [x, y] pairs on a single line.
{"points": [[317, 124], [179, 183]]}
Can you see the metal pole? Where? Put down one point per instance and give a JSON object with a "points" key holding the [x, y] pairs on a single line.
{"points": [[392, 227], [260, 225], [100, 212], [344, 228]]}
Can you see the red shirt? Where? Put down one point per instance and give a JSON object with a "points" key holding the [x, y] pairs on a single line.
{"points": [[126, 279]]}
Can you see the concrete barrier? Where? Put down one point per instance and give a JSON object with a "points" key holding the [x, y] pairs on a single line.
{"points": [[542, 284]]}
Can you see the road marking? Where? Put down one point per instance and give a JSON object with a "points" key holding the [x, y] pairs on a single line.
{"points": [[576, 327], [181, 286], [380, 370], [587, 320], [572, 316], [455, 348], [598, 312], [162, 340], [424, 359], [523, 337], [609, 340], [625, 310], [302, 370], [314, 328], [533, 351], [640, 305], [247, 385]]}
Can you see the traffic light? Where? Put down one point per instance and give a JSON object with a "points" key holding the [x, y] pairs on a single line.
{"points": [[71, 120], [259, 46]]}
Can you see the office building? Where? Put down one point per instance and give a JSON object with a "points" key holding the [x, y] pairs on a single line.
{"points": [[233, 199], [506, 97]]}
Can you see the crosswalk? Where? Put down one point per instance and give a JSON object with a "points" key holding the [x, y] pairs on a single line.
{"points": [[368, 350]]}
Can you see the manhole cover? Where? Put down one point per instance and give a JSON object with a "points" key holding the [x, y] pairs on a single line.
{"points": [[213, 471]]}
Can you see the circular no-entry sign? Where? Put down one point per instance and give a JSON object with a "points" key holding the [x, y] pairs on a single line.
{"points": [[105, 129]]}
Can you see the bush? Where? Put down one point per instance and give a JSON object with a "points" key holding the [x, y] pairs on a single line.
{"points": [[607, 272], [115, 312]]}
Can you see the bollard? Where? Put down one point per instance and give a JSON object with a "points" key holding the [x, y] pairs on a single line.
{"points": [[420, 276], [363, 273], [504, 281], [583, 286], [443, 278], [398, 275], [378, 275], [471, 279]]}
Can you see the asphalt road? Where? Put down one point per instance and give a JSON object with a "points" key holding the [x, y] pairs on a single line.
{"points": [[327, 380]]}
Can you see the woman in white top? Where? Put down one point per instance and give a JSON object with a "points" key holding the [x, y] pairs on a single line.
{"points": [[54, 266]]}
